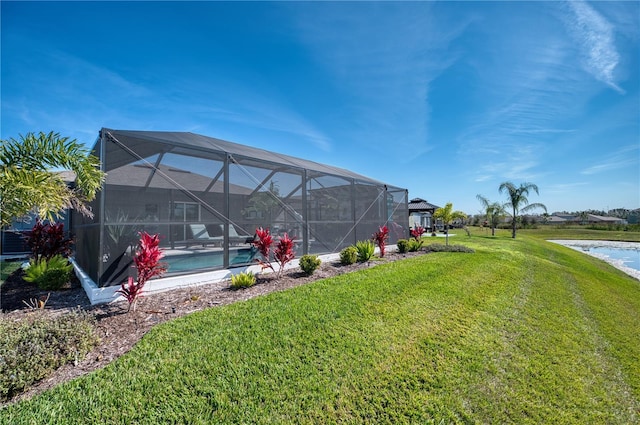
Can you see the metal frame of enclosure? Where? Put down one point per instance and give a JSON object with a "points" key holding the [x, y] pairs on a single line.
{"points": [[205, 197]]}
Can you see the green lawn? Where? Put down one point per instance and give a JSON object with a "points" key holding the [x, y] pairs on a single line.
{"points": [[580, 232], [6, 268], [522, 331]]}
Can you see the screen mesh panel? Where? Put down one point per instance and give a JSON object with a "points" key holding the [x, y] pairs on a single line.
{"points": [[205, 197]]}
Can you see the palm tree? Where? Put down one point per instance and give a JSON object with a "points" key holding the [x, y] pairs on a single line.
{"points": [[494, 211], [584, 217], [518, 201], [28, 183], [447, 215], [545, 218]]}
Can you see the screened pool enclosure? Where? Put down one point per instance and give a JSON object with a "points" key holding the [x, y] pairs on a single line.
{"points": [[205, 197]]}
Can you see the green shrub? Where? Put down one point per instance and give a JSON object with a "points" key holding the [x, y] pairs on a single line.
{"points": [[309, 263], [403, 245], [365, 250], [349, 255], [32, 349], [243, 280], [35, 271], [438, 247], [53, 279], [414, 245], [49, 274]]}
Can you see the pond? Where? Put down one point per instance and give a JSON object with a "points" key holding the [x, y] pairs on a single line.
{"points": [[622, 255]]}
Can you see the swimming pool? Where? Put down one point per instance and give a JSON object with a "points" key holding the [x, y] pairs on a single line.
{"points": [[209, 260]]}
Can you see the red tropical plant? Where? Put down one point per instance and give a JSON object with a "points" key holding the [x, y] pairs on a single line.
{"points": [[263, 243], [417, 232], [147, 258], [148, 265], [48, 240], [284, 252], [131, 291], [380, 238]]}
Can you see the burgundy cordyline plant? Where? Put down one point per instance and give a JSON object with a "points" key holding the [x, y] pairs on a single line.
{"points": [[48, 240], [283, 252], [263, 244], [417, 232], [380, 238], [148, 265]]}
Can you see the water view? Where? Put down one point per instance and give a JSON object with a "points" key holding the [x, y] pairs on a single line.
{"points": [[622, 255], [628, 256]]}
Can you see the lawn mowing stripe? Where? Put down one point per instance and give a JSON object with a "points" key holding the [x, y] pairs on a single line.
{"points": [[492, 337]]}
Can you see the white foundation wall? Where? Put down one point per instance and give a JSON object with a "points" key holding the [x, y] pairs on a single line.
{"points": [[98, 295]]}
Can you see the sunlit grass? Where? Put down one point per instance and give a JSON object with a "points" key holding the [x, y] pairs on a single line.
{"points": [[580, 232], [6, 268], [521, 331], [547, 232]]}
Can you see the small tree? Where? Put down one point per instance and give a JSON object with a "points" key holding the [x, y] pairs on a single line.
{"points": [[447, 215], [494, 211], [264, 202], [518, 201], [584, 217]]}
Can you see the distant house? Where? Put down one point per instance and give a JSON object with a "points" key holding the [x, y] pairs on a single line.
{"points": [[599, 219], [586, 219], [421, 213], [554, 219]]}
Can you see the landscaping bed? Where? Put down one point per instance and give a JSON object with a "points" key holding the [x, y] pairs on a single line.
{"points": [[119, 330], [522, 331]]}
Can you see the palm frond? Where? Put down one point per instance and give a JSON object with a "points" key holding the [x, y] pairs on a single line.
{"points": [[28, 183]]}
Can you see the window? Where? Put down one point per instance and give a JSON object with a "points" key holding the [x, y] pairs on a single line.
{"points": [[186, 212]]}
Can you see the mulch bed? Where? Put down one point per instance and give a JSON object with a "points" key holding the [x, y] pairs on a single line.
{"points": [[119, 329]]}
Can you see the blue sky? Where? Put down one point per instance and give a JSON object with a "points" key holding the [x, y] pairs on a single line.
{"points": [[446, 99]]}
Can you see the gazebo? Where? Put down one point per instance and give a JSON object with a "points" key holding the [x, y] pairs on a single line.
{"points": [[421, 214]]}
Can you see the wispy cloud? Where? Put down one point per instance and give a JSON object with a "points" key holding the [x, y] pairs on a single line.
{"points": [[66, 93], [243, 107], [513, 166], [622, 158], [561, 188], [595, 35], [531, 92], [383, 58], [89, 96]]}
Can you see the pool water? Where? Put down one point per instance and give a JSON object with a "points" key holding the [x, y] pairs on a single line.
{"points": [[192, 262]]}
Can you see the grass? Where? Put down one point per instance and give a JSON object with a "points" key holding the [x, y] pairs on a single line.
{"points": [[580, 232], [547, 232], [6, 268], [522, 331]]}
